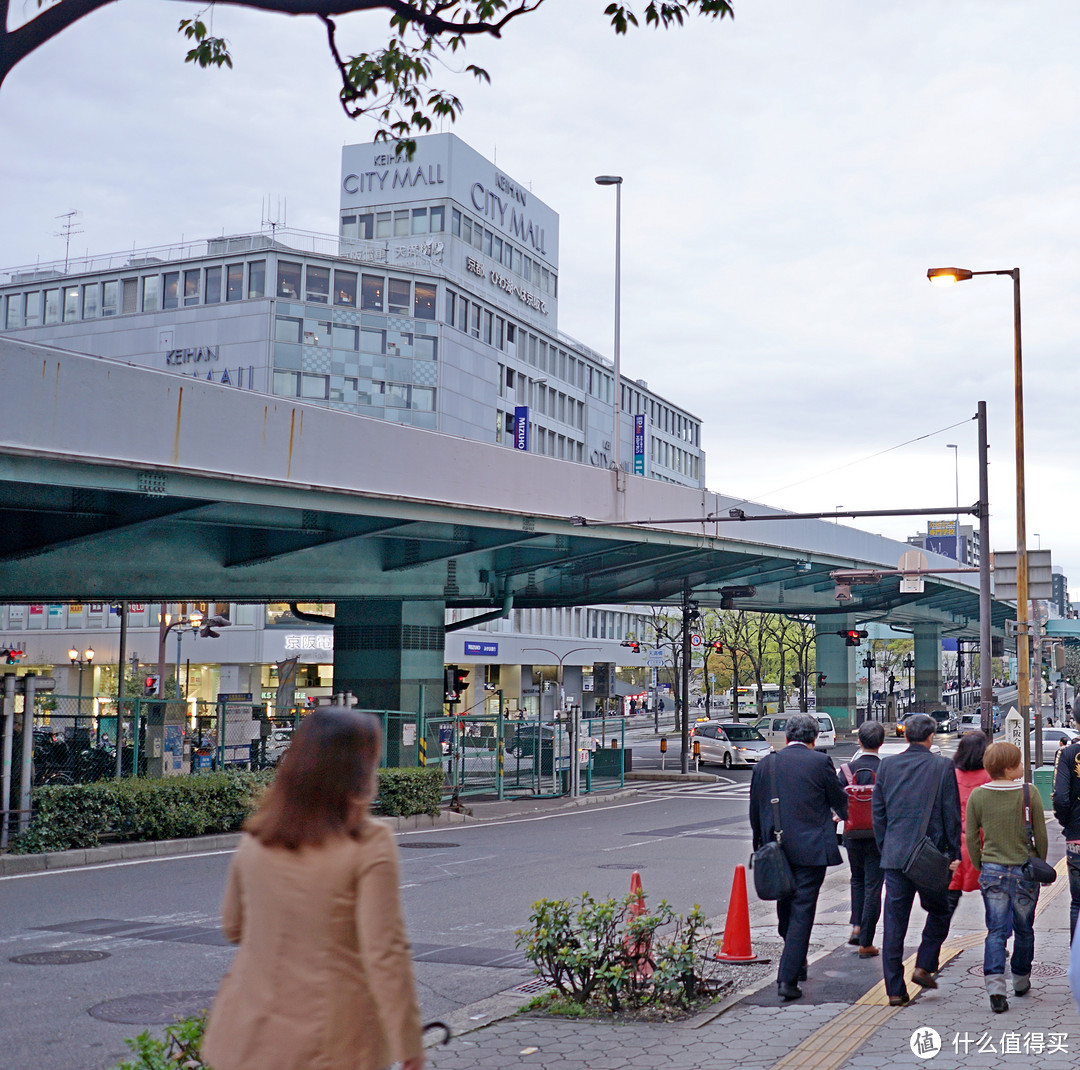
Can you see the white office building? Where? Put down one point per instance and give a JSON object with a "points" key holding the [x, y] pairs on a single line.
{"points": [[435, 304]]}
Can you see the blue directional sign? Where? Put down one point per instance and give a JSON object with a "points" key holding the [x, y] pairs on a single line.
{"points": [[521, 427], [483, 650]]}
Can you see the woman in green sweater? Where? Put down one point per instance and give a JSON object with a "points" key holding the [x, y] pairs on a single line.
{"points": [[997, 841]]}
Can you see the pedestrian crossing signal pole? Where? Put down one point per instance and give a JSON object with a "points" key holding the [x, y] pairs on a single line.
{"points": [[688, 610]]}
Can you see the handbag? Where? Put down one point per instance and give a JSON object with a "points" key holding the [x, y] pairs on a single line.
{"points": [[1035, 868], [772, 871], [927, 867]]}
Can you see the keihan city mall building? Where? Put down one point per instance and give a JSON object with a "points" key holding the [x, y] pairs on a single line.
{"points": [[435, 305]]}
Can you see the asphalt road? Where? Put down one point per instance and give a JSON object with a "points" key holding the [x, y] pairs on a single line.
{"points": [[152, 925]]}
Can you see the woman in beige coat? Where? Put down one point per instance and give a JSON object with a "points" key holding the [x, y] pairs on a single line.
{"points": [[323, 977]]}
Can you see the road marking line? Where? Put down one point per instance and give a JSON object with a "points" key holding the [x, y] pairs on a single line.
{"points": [[114, 865]]}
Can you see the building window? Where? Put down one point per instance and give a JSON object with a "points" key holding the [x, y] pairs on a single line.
{"points": [[424, 300], [455, 222], [437, 216], [52, 306], [366, 226], [424, 348], [398, 296], [346, 337], [257, 278], [348, 226], [382, 225], [110, 298], [371, 292], [478, 237], [401, 223], [14, 312], [448, 313], [423, 398], [213, 286], [419, 221], [288, 279], [285, 384], [130, 296], [314, 386], [151, 293], [372, 341], [466, 230], [171, 298], [287, 329], [71, 303], [318, 285], [234, 282], [33, 308], [90, 303], [345, 288], [462, 314], [475, 321], [191, 287], [489, 320]]}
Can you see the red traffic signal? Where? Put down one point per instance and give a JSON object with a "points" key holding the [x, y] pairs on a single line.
{"points": [[13, 656], [152, 685], [853, 635], [718, 646], [455, 682]]}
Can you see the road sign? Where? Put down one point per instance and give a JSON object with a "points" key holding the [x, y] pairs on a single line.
{"points": [[695, 640], [654, 659], [1014, 728]]}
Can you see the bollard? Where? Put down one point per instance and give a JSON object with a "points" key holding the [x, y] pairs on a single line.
{"points": [[697, 754], [663, 751]]}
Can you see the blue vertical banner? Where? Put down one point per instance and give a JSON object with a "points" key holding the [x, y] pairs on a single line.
{"points": [[521, 427], [639, 445]]}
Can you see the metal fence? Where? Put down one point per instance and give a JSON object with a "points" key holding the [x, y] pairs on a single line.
{"points": [[75, 740]]}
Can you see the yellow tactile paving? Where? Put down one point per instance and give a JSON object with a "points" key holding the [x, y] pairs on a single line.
{"points": [[838, 1039]]}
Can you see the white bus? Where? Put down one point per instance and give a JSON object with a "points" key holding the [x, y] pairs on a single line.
{"points": [[748, 696]]}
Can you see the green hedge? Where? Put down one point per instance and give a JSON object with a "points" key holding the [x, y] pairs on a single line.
{"points": [[83, 815]]}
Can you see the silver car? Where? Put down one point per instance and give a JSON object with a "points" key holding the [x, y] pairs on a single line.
{"points": [[730, 743]]}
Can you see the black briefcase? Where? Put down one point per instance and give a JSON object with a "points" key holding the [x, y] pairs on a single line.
{"points": [[772, 872], [927, 868]]}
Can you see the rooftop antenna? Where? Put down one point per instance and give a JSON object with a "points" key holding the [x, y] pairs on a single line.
{"points": [[66, 231], [280, 220]]}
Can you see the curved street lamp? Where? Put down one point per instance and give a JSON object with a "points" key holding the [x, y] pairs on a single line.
{"points": [[946, 276], [83, 660]]}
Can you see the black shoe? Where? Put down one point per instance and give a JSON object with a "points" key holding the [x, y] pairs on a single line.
{"points": [[786, 991], [802, 973], [899, 1001], [923, 978], [999, 1004]]}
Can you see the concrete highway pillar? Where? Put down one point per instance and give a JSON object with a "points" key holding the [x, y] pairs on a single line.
{"points": [[927, 667], [387, 652], [836, 660]]}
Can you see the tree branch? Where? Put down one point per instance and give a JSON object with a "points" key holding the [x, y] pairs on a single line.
{"points": [[16, 45]]}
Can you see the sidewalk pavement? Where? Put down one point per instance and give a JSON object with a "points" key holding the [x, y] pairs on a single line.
{"points": [[843, 1022]]}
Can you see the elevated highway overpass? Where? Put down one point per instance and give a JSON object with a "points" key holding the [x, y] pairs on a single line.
{"points": [[119, 482]]}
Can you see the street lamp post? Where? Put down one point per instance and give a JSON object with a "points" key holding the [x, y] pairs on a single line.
{"points": [[956, 476], [82, 661], [948, 276], [909, 664], [616, 181]]}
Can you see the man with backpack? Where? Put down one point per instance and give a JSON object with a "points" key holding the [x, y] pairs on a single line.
{"points": [[857, 778]]}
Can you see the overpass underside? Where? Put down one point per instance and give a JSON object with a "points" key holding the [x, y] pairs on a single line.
{"points": [[122, 483]]}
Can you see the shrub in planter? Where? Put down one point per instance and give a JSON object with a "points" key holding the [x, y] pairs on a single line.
{"points": [[602, 953], [403, 792]]}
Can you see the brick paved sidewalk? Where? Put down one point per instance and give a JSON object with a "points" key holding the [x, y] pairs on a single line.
{"points": [[1040, 1031]]}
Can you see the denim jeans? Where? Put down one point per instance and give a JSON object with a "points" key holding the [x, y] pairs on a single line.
{"points": [[1073, 866], [1010, 907]]}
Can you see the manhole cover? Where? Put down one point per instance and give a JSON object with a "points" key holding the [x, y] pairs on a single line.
{"points": [[152, 1008], [58, 958], [427, 845], [539, 985], [1038, 969], [619, 865]]}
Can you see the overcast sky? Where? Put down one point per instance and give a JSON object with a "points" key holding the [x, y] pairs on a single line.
{"points": [[789, 177]]}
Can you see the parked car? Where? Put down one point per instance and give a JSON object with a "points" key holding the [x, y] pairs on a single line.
{"points": [[774, 729], [897, 746]]}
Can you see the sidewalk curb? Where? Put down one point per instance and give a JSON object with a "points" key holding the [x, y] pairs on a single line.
{"points": [[16, 865]]}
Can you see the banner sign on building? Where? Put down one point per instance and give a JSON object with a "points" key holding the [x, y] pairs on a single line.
{"points": [[521, 427], [483, 650], [639, 445]]}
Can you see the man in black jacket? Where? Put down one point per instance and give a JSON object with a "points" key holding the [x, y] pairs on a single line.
{"points": [[807, 793], [905, 783], [1067, 811], [862, 850]]}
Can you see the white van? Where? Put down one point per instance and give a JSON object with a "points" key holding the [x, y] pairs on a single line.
{"points": [[969, 722], [774, 729]]}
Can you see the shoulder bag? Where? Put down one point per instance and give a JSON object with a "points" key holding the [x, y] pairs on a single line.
{"points": [[927, 867], [1034, 869], [769, 864]]}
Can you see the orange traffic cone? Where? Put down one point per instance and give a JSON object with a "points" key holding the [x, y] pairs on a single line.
{"points": [[736, 946], [639, 949]]}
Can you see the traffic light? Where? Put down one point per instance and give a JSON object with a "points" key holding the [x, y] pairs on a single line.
{"points": [[152, 685], [798, 679], [853, 635], [13, 656], [449, 695], [456, 681], [633, 644], [821, 679], [718, 646], [693, 611]]}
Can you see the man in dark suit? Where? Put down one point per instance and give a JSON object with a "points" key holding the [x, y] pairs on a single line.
{"points": [[808, 792], [904, 783]]}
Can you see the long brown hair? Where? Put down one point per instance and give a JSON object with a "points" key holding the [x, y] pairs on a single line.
{"points": [[331, 761]]}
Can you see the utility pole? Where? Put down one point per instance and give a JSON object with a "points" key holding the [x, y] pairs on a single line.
{"points": [[684, 758]]}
